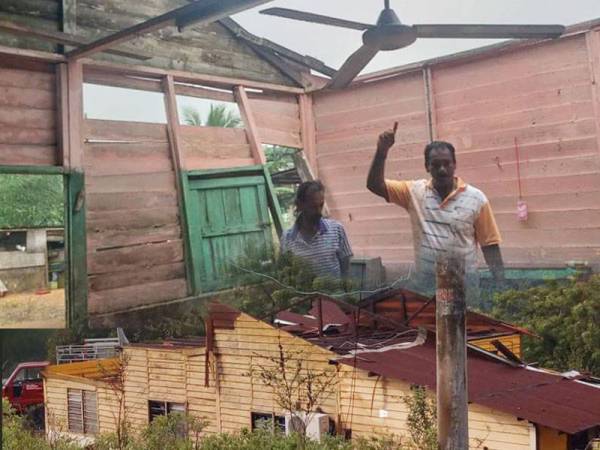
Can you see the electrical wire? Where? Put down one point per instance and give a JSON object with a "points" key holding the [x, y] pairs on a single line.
{"points": [[338, 295]]}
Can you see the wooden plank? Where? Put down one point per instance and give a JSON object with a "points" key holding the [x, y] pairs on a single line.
{"points": [[130, 200], [62, 113], [133, 220], [135, 257], [250, 123], [27, 79], [27, 98], [127, 158], [30, 55], [76, 290], [119, 299], [28, 155], [592, 39], [114, 130], [150, 182], [186, 77], [309, 143], [198, 13]]}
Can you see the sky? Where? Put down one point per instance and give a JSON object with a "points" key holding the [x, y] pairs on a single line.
{"points": [[333, 45]]}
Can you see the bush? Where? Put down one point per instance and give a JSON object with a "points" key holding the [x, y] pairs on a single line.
{"points": [[565, 317]]}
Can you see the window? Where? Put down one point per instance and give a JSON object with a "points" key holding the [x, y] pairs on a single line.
{"points": [[160, 408], [260, 420], [82, 413], [29, 374]]}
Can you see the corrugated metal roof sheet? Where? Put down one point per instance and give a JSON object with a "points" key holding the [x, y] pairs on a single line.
{"points": [[538, 396]]}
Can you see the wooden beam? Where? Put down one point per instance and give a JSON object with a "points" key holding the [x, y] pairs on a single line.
{"points": [[185, 77], [62, 113], [199, 13], [33, 55], [60, 38], [278, 63], [155, 85], [75, 112], [175, 147], [69, 16], [309, 143], [251, 129], [592, 39], [430, 103]]}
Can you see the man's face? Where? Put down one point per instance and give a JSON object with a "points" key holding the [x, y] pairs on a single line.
{"points": [[441, 166], [312, 207]]}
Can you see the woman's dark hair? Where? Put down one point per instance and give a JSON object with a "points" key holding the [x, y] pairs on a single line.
{"points": [[305, 189], [438, 144]]}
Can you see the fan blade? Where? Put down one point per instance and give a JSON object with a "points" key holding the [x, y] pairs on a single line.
{"points": [[315, 18], [352, 67], [489, 31]]}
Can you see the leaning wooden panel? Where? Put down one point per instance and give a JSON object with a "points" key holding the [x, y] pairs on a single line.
{"points": [[277, 119]]}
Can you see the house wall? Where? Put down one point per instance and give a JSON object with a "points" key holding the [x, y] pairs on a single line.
{"points": [[543, 95], [55, 401]]}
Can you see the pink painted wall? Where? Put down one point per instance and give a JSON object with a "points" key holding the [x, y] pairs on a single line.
{"points": [[543, 95]]}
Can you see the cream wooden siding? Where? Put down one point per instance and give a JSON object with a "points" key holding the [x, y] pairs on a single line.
{"points": [[362, 398], [238, 350], [173, 375], [55, 395]]}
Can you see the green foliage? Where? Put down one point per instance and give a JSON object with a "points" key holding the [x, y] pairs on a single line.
{"points": [[564, 316], [268, 283], [29, 201], [422, 419], [16, 435], [219, 115]]}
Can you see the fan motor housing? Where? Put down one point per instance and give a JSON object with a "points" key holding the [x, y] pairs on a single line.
{"points": [[389, 37]]}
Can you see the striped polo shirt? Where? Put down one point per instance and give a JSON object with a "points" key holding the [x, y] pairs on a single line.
{"points": [[456, 224], [323, 251]]}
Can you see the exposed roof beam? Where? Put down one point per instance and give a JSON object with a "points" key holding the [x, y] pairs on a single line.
{"points": [[305, 60], [60, 38], [199, 13]]}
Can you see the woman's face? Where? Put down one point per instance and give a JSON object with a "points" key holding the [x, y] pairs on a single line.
{"points": [[312, 207]]}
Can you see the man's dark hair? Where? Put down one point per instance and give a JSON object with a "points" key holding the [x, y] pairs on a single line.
{"points": [[307, 188], [438, 144]]}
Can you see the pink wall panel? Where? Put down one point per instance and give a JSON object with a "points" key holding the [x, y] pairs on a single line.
{"points": [[541, 95]]}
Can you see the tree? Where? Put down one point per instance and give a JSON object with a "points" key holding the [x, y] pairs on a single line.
{"points": [[421, 419], [564, 316], [219, 115], [297, 387], [29, 201]]}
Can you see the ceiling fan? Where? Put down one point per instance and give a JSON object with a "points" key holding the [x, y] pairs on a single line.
{"points": [[390, 34]]}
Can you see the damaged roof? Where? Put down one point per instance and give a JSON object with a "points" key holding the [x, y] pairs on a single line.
{"points": [[536, 395]]}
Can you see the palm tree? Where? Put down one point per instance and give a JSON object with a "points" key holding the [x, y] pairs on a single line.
{"points": [[218, 116]]}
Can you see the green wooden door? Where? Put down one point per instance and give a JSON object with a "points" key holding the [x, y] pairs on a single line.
{"points": [[227, 213]]}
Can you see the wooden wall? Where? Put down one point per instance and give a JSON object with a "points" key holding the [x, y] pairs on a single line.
{"points": [[211, 49], [27, 117], [277, 119], [177, 375], [213, 147], [172, 375], [55, 399], [543, 95], [135, 250]]}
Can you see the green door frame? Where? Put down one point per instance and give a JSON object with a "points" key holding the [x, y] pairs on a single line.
{"points": [[75, 237], [190, 212]]}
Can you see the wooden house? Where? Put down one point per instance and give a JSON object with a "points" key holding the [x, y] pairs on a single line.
{"points": [[155, 210], [512, 406]]}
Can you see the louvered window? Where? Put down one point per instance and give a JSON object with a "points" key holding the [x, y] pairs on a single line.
{"points": [[82, 411]]}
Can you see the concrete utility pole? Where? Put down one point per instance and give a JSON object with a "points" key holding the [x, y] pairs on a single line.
{"points": [[451, 350]]}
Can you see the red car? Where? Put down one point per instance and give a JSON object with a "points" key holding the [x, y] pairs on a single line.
{"points": [[24, 388]]}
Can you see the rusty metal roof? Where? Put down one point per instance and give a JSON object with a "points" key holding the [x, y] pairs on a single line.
{"points": [[535, 395]]}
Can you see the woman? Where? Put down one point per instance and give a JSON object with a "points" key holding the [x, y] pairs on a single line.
{"points": [[321, 242]]}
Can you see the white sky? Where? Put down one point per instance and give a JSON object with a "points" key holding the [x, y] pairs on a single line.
{"points": [[333, 45]]}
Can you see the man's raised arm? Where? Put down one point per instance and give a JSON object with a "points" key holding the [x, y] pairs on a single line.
{"points": [[376, 179]]}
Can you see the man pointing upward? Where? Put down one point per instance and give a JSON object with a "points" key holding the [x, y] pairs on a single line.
{"points": [[447, 215]]}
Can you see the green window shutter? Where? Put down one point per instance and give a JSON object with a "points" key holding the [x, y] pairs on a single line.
{"points": [[227, 211]]}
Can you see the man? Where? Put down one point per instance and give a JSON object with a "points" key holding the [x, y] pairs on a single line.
{"points": [[447, 215], [321, 242]]}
